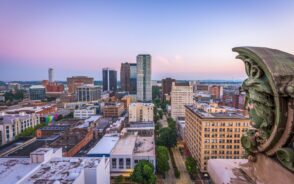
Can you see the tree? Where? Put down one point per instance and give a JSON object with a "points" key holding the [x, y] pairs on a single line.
{"points": [[162, 158], [144, 173], [167, 137], [191, 166]]}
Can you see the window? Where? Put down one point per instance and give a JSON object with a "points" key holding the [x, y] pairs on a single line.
{"points": [[128, 163], [121, 163], [114, 163]]}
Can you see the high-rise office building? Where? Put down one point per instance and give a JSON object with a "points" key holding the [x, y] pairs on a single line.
{"points": [[128, 77], [133, 78], [181, 95], [213, 132], [109, 77], [144, 88], [125, 76], [50, 75]]}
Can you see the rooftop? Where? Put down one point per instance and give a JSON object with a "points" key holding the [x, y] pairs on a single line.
{"points": [[13, 169], [144, 146], [8, 118], [125, 145], [220, 115], [105, 145], [37, 87], [61, 170]]}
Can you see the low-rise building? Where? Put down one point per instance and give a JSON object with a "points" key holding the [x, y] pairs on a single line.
{"points": [[86, 112], [129, 150], [73, 140], [113, 109], [214, 132], [104, 147], [51, 130], [12, 125], [141, 112]]}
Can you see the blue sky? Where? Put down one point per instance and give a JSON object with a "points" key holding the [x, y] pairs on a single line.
{"points": [[187, 39]]}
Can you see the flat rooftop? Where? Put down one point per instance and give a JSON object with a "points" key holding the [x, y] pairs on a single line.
{"points": [[13, 169], [104, 146], [61, 170], [144, 146], [125, 145], [221, 115]]}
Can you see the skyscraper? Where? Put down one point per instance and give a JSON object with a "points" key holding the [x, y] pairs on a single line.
{"points": [[50, 75], [167, 86], [144, 88], [125, 76], [109, 77], [133, 78], [128, 77]]}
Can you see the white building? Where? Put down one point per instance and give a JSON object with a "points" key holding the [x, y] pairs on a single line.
{"points": [[85, 112], [139, 112], [129, 150], [181, 95], [13, 124], [12, 170], [144, 86], [88, 93]]}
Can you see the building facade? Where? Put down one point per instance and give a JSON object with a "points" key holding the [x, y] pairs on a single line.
{"points": [[144, 87], [50, 75], [167, 86], [113, 110], [215, 134], [12, 125], [128, 77], [181, 95], [74, 82], [109, 77], [216, 91], [125, 76], [141, 112], [88, 93], [37, 92]]}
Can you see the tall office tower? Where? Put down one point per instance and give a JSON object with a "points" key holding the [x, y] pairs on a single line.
{"points": [[50, 74], [213, 132], [109, 77], [125, 76], [76, 81], [144, 88], [128, 77], [166, 87], [181, 95], [133, 78]]}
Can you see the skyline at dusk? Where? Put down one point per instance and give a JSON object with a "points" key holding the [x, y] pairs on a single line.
{"points": [[187, 40]]}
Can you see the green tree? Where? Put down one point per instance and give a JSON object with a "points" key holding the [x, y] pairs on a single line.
{"points": [[191, 166], [167, 137], [162, 158], [144, 173]]}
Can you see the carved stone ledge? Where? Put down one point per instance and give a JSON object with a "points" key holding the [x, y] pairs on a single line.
{"points": [[270, 98]]}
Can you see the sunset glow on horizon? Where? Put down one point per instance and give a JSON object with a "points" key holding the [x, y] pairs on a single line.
{"points": [[187, 40]]}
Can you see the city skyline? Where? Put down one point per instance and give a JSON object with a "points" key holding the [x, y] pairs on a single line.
{"points": [[191, 40]]}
